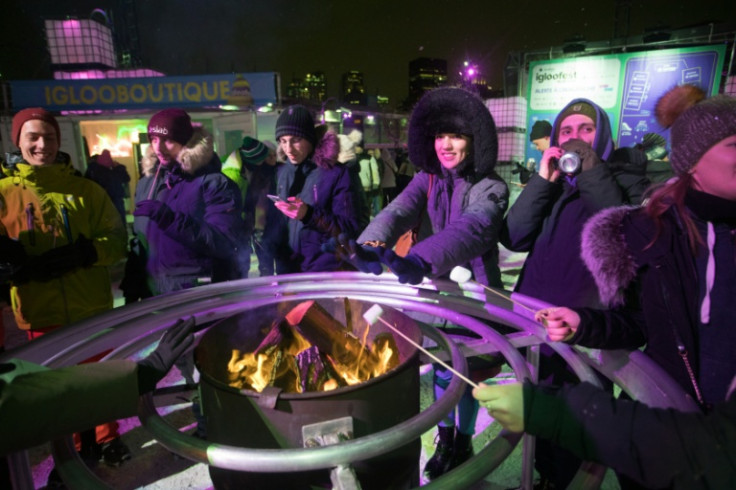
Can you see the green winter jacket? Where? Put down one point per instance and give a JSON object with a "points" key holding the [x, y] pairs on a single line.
{"points": [[38, 404], [48, 206]]}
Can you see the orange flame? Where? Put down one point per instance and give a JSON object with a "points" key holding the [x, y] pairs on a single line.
{"points": [[276, 366]]}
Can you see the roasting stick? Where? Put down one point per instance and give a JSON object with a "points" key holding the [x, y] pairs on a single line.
{"points": [[374, 314], [461, 275]]}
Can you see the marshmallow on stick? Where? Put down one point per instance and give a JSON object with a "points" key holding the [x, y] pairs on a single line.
{"points": [[373, 316]]}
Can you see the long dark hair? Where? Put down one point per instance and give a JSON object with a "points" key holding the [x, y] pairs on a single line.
{"points": [[672, 194]]}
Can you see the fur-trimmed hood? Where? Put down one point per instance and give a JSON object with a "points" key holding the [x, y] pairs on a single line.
{"points": [[606, 254], [458, 111], [195, 155]]}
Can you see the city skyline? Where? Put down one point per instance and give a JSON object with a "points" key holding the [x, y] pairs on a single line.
{"points": [[377, 38]]}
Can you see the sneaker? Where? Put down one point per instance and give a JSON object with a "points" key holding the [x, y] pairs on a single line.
{"points": [[115, 453]]}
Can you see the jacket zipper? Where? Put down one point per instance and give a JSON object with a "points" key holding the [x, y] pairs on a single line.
{"points": [[67, 226], [29, 224], [681, 350]]}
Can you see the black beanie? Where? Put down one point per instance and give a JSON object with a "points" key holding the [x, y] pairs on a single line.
{"points": [[296, 120], [540, 129]]}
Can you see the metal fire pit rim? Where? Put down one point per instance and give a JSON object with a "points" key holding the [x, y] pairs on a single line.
{"points": [[303, 459]]}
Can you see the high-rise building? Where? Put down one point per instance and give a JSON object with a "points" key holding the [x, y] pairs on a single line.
{"points": [[353, 88], [425, 74], [311, 88]]}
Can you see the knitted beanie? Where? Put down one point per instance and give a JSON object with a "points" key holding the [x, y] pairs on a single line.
{"points": [[296, 120], [174, 124], [253, 151], [28, 115], [578, 108], [540, 129], [696, 123]]}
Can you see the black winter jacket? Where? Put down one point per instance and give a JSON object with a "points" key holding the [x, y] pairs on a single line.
{"points": [[656, 447], [653, 292]]}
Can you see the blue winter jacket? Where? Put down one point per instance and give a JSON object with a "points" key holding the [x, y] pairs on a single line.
{"points": [[207, 240]]}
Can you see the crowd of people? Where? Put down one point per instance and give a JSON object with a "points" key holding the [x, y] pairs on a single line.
{"points": [[625, 262]]}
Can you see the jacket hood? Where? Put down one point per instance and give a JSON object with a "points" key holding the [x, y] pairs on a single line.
{"points": [[603, 144], [194, 157], [603, 249], [197, 153], [452, 110]]}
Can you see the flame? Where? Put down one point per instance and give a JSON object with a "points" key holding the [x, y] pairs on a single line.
{"points": [[277, 365]]}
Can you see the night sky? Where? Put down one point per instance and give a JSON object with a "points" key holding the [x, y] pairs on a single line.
{"points": [[378, 37]]}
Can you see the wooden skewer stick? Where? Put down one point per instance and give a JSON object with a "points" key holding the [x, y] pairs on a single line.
{"points": [[461, 275], [374, 314]]}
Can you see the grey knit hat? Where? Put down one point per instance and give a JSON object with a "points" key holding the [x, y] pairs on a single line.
{"points": [[696, 123]]}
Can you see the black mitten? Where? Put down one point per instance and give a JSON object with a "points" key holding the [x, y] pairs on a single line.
{"points": [[60, 260]]}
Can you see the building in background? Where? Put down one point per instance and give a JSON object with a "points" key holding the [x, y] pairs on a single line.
{"points": [[425, 74], [353, 88]]}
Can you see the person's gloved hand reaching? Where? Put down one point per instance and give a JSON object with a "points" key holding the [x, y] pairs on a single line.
{"points": [[363, 257], [156, 211], [410, 269], [173, 344]]}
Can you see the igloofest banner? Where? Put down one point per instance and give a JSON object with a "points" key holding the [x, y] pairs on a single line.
{"points": [[244, 90], [627, 86]]}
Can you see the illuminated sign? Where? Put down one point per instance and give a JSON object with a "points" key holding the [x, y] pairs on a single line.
{"points": [[626, 86], [247, 90]]}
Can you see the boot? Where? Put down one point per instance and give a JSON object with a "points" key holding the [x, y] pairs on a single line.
{"points": [[462, 451], [439, 463]]}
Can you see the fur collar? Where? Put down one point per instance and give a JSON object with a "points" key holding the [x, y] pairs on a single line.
{"points": [[194, 156], [606, 254]]}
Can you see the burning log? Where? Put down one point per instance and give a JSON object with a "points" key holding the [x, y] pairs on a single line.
{"points": [[309, 350], [330, 336]]}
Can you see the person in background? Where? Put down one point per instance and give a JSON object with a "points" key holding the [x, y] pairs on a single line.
{"points": [[111, 176], [658, 163], [546, 221], [59, 233], [388, 179], [459, 200], [656, 448], [253, 168], [318, 199], [370, 177], [540, 135], [666, 271], [187, 213]]}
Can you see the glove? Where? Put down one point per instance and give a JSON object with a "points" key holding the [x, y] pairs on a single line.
{"points": [[60, 260], [12, 257], [155, 210], [173, 344], [588, 156], [410, 269], [363, 257]]}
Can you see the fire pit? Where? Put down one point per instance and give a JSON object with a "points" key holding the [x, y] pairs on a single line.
{"points": [[274, 418]]}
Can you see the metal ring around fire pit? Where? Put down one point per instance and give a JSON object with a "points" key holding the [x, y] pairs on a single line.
{"points": [[129, 329]]}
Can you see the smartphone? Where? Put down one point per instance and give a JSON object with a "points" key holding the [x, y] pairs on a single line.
{"points": [[274, 198]]}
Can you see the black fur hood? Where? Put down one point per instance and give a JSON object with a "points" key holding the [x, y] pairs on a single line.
{"points": [[452, 110]]}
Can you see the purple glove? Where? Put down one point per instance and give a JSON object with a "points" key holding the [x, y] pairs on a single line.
{"points": [[410, 269], [363, 257], [156, 211]]}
